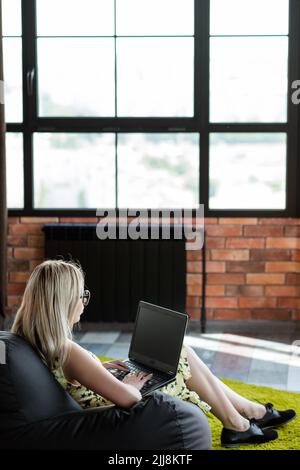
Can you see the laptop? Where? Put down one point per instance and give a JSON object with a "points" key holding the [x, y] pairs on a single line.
{"points": [[155, 345]]}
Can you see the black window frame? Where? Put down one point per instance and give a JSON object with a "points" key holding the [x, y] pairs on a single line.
{"points": [[199, 123]]}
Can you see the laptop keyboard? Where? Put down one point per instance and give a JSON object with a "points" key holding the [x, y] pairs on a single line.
{"points": [[154, 381]]}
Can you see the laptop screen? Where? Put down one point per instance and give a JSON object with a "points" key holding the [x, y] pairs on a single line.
{"points": [[158, 337]]}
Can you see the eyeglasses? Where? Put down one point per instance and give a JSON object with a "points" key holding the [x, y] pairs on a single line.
{"points": [[85, 297]]}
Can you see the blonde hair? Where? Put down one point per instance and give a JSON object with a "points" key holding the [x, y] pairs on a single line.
{"points": [[44, 318]]}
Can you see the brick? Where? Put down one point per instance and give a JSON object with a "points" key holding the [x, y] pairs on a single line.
{"points": [[14, 300], [29, 253], [265, 278], [25, 229], [210, 220], [13, 220], [193, 301], [79, 220], [231, 291], [225, 278], [296, 315], [283, 291], [293, 279], [13, 240], [263, 231], [194, 290], [245, 242], [34, 263], [230, 255], [214, 291], [221, 302], [288, 302], [215, 267], [257, 302], [194, 267], [193, 279], [39, 220], [232, 314], [193, 313], [17, 265], [271, 314], [292, 231], [19, 276], [282, 267], [223, 230], [245, 291], [238, 220], [193, 255], [214, 242], [270, 255], [209, 313], [245, 267], [35, 241], [15, 288], [296, 255], [9, 252], [279, 221], [290, 243]]}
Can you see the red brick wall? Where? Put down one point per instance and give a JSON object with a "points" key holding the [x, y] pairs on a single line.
{"points": [[253, 266]]}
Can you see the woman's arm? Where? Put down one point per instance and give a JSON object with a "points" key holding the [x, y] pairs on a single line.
{"points": [[82, 367]]}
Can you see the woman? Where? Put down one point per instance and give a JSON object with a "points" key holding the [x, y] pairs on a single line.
{"points": [[53, 302]]}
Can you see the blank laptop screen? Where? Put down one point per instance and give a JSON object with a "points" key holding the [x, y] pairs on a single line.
{"points": [[158, 337]]}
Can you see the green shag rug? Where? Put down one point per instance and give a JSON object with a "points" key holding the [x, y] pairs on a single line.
{"points": [[288, 435]]}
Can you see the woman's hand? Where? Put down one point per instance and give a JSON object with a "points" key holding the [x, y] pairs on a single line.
{"points": [[115, 365], [137, 380]]}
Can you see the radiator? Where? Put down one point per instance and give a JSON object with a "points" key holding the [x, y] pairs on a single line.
{"points": [[119, 273]]}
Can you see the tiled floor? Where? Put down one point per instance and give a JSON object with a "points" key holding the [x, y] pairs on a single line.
{"points": [[257, 352]]}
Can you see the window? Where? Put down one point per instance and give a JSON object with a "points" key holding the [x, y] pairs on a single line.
{"points": [[247, 170], [168, 170], [83, 158], [14, 169], [248, 84], [129, 66], [12, 59], [149, 104], [248, 79], [12, 63]]}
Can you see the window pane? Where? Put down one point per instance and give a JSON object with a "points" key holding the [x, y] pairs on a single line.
{"points": [[247, 171], [76, 77], [155, 77], [11, 18], [12, 59], [74, 170], [158, 170], [75, 17], [248, 79], [249, 17], [14, 172], [155, 17]]}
